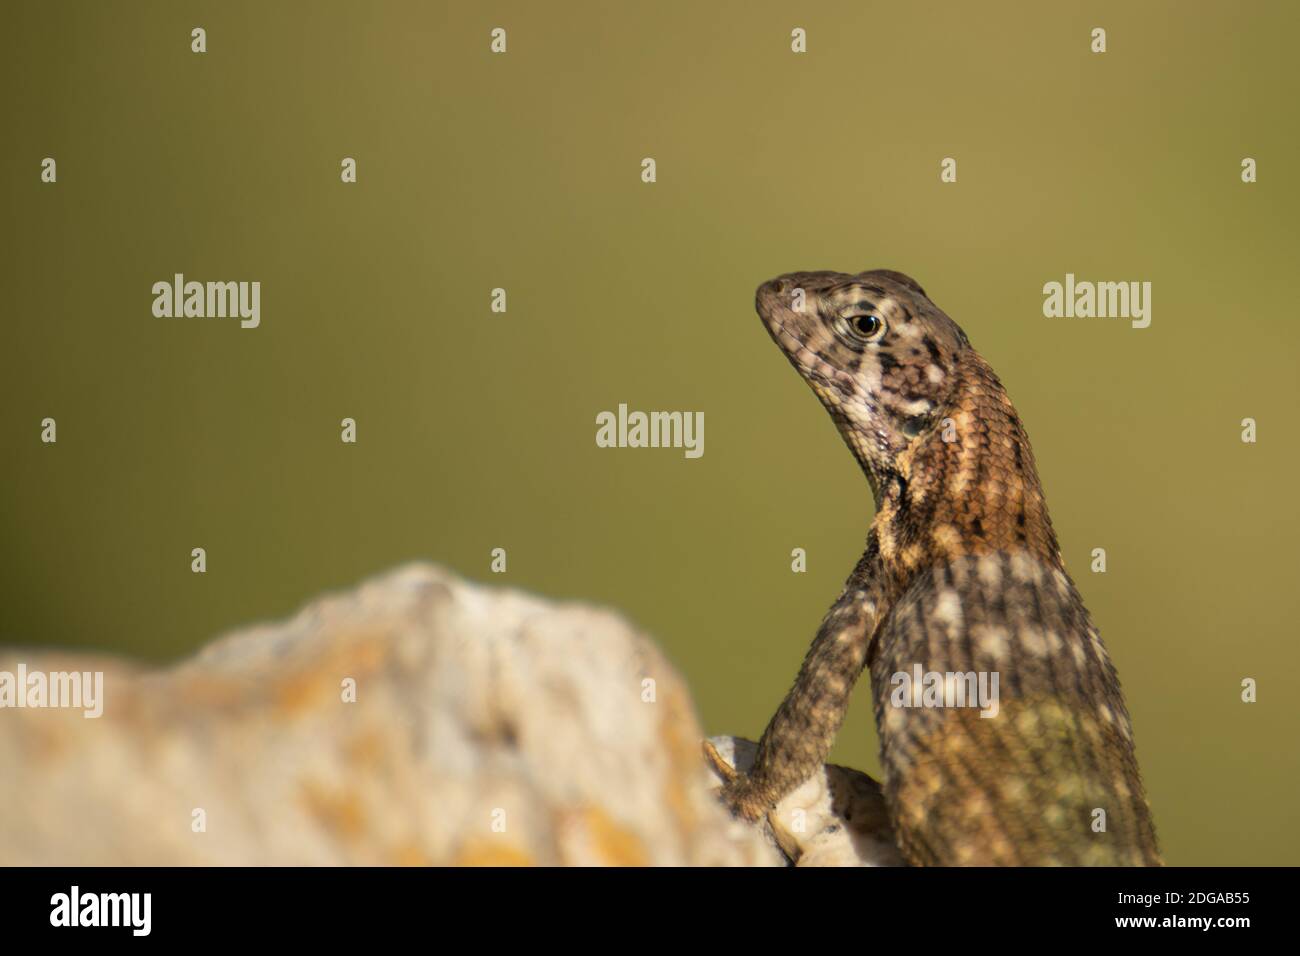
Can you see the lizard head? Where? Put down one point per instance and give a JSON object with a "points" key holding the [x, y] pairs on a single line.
{"points": [[880, 355]]}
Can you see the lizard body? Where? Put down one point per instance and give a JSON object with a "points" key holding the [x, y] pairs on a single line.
{"points": [[962, 574]]}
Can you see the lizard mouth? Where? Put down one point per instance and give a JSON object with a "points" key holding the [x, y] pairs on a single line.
{"points": [[782, 325], [804, 339]]}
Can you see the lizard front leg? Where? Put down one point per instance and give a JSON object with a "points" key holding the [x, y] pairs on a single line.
{"points": [[798, 738]]}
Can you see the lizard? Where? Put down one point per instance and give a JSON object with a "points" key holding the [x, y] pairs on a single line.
{"points": [[963, 575]]}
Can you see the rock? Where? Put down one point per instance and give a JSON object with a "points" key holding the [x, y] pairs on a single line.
{"points": [[418, 719], [489, 727], [837, 818]]}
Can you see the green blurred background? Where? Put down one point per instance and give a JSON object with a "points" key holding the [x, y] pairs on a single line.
{"points": [[523, 171]]}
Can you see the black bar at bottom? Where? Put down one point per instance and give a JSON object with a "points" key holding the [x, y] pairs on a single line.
{"points": [[916, 907]]}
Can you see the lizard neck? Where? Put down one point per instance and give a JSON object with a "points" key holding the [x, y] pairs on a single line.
{"points": [[968, 485]]}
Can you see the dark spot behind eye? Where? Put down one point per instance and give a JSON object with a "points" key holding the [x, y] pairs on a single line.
{"points": [[931, 347]]}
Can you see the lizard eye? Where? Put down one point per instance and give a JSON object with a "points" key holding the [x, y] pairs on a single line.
{"points": [[867, 326]]}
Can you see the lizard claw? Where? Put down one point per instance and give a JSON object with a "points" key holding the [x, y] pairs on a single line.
{"points": [[738, 793], [719, 764]]}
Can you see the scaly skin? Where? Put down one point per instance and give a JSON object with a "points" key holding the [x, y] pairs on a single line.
{"points": [[962, 573]]}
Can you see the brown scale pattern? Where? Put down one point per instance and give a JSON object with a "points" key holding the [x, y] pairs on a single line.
{"points": [[1058, 748], [977, 492]]}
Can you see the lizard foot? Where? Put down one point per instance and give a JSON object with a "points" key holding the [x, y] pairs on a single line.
{"points": [[738, 793]]}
